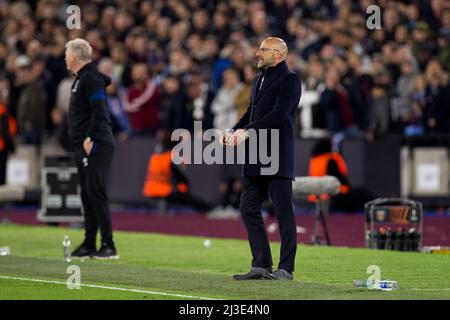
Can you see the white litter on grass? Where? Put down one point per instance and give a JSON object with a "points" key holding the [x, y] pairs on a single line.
{"points": [[5, 251], [402, 289], [207, 243], [158, 293]]}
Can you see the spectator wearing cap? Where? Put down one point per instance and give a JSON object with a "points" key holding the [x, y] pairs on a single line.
{"points": [[423, 46]]}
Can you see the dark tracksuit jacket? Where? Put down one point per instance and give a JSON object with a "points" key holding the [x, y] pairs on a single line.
{"points": [[88, 117]]}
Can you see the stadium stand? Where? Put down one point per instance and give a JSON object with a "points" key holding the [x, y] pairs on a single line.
{"points": [[372, 91]]}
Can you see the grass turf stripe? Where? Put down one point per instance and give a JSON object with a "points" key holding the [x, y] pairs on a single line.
{"points": [[110, 288]]}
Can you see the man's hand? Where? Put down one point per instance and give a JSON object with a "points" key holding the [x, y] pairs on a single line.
{"points": [[225, 137], [87, 145], [238, 136], [432, 122]]}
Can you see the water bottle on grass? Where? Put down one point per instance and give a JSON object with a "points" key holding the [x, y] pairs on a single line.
{"points": [[386, 285], [66, 249], [5, 251]]}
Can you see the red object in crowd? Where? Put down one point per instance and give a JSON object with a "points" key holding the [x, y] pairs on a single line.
{"points": [[143, 107]]}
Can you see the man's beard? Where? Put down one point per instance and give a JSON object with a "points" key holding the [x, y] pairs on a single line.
{"points": [[264, 64]]}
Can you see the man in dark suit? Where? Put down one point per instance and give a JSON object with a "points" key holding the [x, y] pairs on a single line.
{"points": [[275, 96]]}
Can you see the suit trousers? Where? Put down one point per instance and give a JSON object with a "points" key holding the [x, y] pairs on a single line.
{"points": [[255, 191], [93, 172]]}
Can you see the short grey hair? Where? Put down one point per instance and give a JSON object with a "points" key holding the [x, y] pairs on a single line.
{"points": [[80, 48]]}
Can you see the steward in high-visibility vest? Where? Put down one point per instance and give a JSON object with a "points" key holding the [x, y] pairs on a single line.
{"points": [[329, 164], [163, 176], [8, 128]]}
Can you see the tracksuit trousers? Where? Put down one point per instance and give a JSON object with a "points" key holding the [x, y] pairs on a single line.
{"points": [[93, 173]]}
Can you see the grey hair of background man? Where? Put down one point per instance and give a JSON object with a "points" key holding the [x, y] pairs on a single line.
{"points": [[80, 48]]}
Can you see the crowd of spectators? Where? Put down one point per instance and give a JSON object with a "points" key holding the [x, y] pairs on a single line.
{"points": [[175, 61]]}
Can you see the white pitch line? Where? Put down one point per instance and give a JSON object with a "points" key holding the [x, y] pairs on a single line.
{"points": [[111, 288]]}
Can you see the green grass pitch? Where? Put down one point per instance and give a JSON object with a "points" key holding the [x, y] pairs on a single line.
{"points": [[154, 266]]}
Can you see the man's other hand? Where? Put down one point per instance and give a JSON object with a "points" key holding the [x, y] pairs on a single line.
{"points": [[238, 136], [87, 145], [225, 137]]}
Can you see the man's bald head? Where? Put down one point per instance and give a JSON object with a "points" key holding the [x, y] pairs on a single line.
{"points": [[278, 44], [272, 51]]}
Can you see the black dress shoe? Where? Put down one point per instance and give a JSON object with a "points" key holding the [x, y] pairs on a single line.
{"points": [[84, 250], [106, 252], [255, 273], [280, 274]]}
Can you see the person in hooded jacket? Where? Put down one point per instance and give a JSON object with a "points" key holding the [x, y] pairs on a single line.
{"points": [[93, 143]]}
